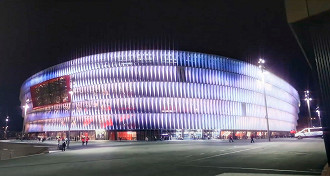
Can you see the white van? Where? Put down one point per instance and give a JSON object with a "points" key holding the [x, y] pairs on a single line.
{"points": [[309, 132]]}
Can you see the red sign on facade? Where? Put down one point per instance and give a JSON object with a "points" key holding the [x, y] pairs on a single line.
{"points": [[53, 91]]}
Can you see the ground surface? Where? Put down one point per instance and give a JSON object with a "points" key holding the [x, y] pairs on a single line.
{"points": [[212, 157], [11, 150]]}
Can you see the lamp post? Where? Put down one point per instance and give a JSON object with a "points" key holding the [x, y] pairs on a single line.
{"points": [[71, 93], [261, 63], [308, 99], [7, 119], [26, 106], [319, 114]]}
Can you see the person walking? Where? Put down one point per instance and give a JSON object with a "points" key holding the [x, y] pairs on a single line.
{"points": [[63, 146], [59, 145], [252, 138], [87, 139], [230, 138], [292, 133], [83, 140]]}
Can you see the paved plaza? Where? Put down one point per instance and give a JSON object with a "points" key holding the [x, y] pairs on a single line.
{"points": [[202, 157]]}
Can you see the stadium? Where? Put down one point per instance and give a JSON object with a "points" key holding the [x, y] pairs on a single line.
{"points": [[156, 94]]}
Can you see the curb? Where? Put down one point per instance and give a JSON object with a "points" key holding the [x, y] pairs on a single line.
{"points": [[26, 156], [10, 155]]}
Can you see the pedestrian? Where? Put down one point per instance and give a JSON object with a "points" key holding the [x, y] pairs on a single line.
{"points": [[292, 133], [87, 139], [230, 138], [83, 140], [58, 141], [63, 146], [252, 138]]}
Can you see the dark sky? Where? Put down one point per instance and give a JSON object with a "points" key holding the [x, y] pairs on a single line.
{"points": [[35, 35]]}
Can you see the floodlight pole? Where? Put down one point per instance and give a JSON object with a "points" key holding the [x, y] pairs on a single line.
{"points": [[26, 106], [261, 66], [7, 119], [319, 115], [71, 93], [308, 99]]}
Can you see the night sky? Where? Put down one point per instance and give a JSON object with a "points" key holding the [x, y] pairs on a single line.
{"points": [[35, 35]]}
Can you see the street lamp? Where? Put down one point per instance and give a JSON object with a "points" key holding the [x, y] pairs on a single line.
{"points": [[7, 119], [26, 106], [319, 114], [308, 99], [261, 63], [71, 93]]}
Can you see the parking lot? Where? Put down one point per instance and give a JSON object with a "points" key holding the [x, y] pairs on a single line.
{"points": [[200, 157]]}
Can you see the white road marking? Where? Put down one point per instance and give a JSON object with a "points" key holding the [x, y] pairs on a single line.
{"points": [[257, 169], [222, 154]]}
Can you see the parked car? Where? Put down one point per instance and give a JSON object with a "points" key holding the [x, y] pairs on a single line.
{"points": [[309, 132]]}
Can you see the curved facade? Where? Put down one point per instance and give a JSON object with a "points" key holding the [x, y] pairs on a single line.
{"points": [[157, 90]]}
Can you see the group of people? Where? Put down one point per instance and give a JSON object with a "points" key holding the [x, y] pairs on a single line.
{"points": [[84, 140], [63, 143], [230, 137]]}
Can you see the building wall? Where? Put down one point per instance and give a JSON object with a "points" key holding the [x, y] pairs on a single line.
{"points": [[163, 89]]}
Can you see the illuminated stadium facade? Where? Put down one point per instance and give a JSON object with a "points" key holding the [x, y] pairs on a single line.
{"points": [[156, 94]]}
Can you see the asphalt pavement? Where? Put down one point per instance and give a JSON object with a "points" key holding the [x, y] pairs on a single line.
{"points": [[202, 157]]}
